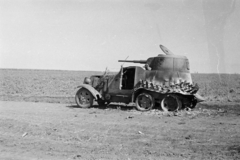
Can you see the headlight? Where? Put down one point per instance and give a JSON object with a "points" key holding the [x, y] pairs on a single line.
{"points": [[87, 80]]}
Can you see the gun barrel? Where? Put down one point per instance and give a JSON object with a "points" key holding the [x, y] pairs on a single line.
{"points": [[134, 61]]}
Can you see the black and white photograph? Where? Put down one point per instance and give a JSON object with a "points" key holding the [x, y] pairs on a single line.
{"points": [[119, 79]]}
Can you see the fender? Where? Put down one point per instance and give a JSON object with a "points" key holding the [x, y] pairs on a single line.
{"points": [[135, 92], [94, 92], [198, 97]]}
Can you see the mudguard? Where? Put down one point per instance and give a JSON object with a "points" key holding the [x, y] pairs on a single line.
{"points": [[198, 97], [94, 92]]}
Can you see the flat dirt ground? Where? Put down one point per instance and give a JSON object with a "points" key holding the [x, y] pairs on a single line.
{"points": [[40, 120]]}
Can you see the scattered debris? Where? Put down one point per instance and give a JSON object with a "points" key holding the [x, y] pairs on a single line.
{"points": [[129, 117], [93, 112], [175, 113], [221, 111], [24, 134], [77, 156], [232, 90], [181, 123], [188, 109], [188, 137]]}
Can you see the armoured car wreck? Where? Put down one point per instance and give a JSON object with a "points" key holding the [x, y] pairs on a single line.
{"points": [[164, 80]]}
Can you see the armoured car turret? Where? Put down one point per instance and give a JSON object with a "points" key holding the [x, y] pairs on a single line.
{"points": [[164, 79]]}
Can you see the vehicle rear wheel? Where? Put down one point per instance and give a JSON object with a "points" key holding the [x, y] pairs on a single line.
{"points": [[84, 98], [144, 102], [171, 103]]}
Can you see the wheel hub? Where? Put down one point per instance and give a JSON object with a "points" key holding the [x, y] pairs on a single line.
{"points": [[84, 98], [145, 102]]}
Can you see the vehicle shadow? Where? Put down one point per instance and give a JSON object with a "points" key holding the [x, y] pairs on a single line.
{"points": [[110, 106]]}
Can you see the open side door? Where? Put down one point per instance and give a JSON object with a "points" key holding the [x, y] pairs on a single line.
{"points": [[128, 78], [121, 78], [116, 83], [116, 91]]}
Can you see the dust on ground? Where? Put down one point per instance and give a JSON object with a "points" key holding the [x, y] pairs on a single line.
{"points": [[58, 129], [63, 131]]}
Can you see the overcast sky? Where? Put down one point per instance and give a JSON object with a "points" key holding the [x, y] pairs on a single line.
{"points": [[95, 34]]}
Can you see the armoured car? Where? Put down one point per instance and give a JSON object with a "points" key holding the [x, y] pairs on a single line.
{"points": [[164, 80]]}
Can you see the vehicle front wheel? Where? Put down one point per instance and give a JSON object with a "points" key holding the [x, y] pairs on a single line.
{"points": [[84, 98], [144, 102]]}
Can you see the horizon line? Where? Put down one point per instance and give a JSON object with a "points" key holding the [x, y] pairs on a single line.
{"points": [[90, 70]]}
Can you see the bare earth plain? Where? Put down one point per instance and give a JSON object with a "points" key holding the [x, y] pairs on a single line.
{"points": [[40, 120]]}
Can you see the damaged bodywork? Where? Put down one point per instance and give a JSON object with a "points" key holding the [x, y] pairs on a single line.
{"points": [[164, 80]]}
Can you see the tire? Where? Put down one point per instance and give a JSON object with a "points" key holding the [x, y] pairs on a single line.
{"points": [[84, 98], [144, 102], [171, 103]]}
